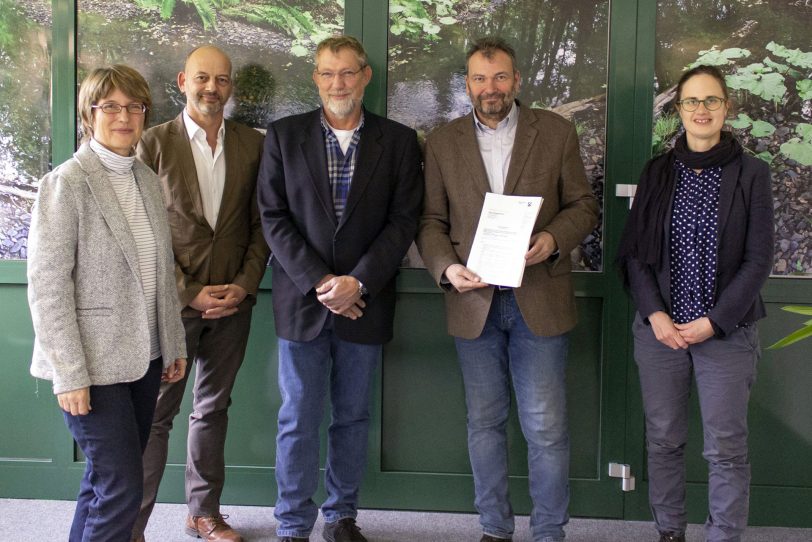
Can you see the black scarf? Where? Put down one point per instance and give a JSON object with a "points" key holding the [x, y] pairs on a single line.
{"points": [[643, 234]]}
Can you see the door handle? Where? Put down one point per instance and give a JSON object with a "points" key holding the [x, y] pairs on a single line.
{"points": [[626, 191]]}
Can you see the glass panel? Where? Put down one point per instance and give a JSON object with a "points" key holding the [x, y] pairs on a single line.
{"points": [[561, 48], [25, 116], [764, 51], [270, 44]]}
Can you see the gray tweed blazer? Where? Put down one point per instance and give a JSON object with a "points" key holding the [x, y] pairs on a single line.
{"points": [[84, 286]]}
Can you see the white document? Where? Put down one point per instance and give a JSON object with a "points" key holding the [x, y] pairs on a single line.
{"points": [[503, 238]]}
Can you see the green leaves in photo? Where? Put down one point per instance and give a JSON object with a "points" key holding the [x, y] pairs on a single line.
{"points": [[715, 57], [804, 89], [420, 17], [759, 80], [800, 148], [795, 57]]}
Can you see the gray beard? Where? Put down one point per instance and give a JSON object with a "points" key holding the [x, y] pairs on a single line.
{"points": [[341, 109]]}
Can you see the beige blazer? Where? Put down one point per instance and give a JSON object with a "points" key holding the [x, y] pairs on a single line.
{"points": [[235, 251], [545, 162], [84, 286]]}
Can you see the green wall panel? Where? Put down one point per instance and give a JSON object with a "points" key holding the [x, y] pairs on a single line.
{"points": [[424, 403]]}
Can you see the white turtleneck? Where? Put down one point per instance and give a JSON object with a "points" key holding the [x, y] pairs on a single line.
{"points": [[119, 171]]}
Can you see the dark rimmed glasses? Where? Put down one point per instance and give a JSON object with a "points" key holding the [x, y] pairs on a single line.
{"points": [[711, 103], [112, 108]]}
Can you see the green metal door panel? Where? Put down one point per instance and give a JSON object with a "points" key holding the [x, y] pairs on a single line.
{"points": [[423, 411], [424, 403], [26, 402]]}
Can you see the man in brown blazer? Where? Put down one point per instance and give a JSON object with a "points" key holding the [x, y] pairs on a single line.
{"points": [[502, 334], [208, 172]]}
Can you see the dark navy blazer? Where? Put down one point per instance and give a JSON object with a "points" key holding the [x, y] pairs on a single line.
{"points": [[745, 252], [307, 242]]}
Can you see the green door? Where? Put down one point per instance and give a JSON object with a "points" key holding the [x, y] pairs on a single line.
{"points": [[422, 459]]}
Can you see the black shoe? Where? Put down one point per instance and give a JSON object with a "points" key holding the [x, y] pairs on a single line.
{"points": [[671, 537], [343, 530], [293, 539], [489, 538]]}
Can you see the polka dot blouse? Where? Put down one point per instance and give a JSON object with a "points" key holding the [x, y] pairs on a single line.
{"points": [[694, 234]]}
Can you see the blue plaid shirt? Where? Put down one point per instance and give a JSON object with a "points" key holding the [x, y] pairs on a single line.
{"points": [[340, 166]]}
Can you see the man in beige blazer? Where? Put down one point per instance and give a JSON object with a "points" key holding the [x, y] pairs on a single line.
{"points": [[506, 335], [208, 171]]}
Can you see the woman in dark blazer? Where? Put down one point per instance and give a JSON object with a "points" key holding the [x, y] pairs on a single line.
{"points": [[696, 250], [101, 287]]}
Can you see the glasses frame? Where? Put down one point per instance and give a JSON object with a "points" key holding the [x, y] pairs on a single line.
{"points": [[681, 103], [344, 75], [115, 108]]}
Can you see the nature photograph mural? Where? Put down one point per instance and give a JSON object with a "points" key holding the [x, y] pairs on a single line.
{"points": [[25, 116], [561, 48], [270, 43], [764, 50]]}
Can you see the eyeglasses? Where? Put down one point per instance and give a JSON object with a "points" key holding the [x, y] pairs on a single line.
{"points": [[112, 108], [711, 103], [345, 75]]}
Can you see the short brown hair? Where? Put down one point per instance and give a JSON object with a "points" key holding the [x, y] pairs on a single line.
{"points": [[703, 69], [103, 81], [336, 43], [490, 45]]}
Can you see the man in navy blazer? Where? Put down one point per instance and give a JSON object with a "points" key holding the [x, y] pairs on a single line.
{"points": [[340, 191]]}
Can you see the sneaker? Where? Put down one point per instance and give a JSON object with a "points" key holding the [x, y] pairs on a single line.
{"points": [[672, 537], [343, 530]]}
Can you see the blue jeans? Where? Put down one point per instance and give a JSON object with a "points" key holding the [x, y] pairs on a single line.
{"points": [[307, 371], [112, 437], [507, 351]]}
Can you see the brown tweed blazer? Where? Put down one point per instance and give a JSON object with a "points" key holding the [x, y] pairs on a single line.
{"points": [[545, 162]]}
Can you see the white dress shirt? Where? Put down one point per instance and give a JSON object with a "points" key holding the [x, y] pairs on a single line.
{"points": [[496, 147], [211, 167]]}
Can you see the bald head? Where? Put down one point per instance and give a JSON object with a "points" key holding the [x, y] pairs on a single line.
{"points": [[205, 51], [206, 82]]}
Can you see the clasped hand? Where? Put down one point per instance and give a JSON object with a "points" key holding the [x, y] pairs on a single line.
{"points": [[342, 295], [218, 301], [677, 336]]}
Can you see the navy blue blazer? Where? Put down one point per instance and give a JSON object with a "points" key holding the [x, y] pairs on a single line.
{"points": [[745, 251], [376, 229]]}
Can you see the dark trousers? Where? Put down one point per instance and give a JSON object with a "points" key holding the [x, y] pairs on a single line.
{"points": [[113, 436], [215, 350], [725, 370]]}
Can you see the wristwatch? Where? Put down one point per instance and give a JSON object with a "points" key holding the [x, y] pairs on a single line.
{"points": [[362, 289]]}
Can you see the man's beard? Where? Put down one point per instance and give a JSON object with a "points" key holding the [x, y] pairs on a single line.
{"points": [[499, 109], [341, 108], [207, 107]]}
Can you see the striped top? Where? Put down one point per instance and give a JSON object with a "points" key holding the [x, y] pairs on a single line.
{"points": [[119, 171]]}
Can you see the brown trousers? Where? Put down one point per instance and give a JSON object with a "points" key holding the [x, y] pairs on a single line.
{"points": [[216, 349]]}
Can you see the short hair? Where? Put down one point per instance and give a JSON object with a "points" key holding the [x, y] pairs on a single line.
{"points": [[488, 46], [702, 69], [101, 83], [337, 43]]}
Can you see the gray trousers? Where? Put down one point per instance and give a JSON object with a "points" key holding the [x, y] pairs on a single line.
{"points": [[725, 370], [216, 349]]}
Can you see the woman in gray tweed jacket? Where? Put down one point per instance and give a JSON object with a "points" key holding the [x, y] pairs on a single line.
{"points": [[103, 300]]}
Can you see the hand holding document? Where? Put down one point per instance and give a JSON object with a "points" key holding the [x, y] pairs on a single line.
{"points": [[502, 237]]}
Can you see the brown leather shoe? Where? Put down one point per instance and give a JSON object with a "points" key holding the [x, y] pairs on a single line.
{"points": [[211, 528]]}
